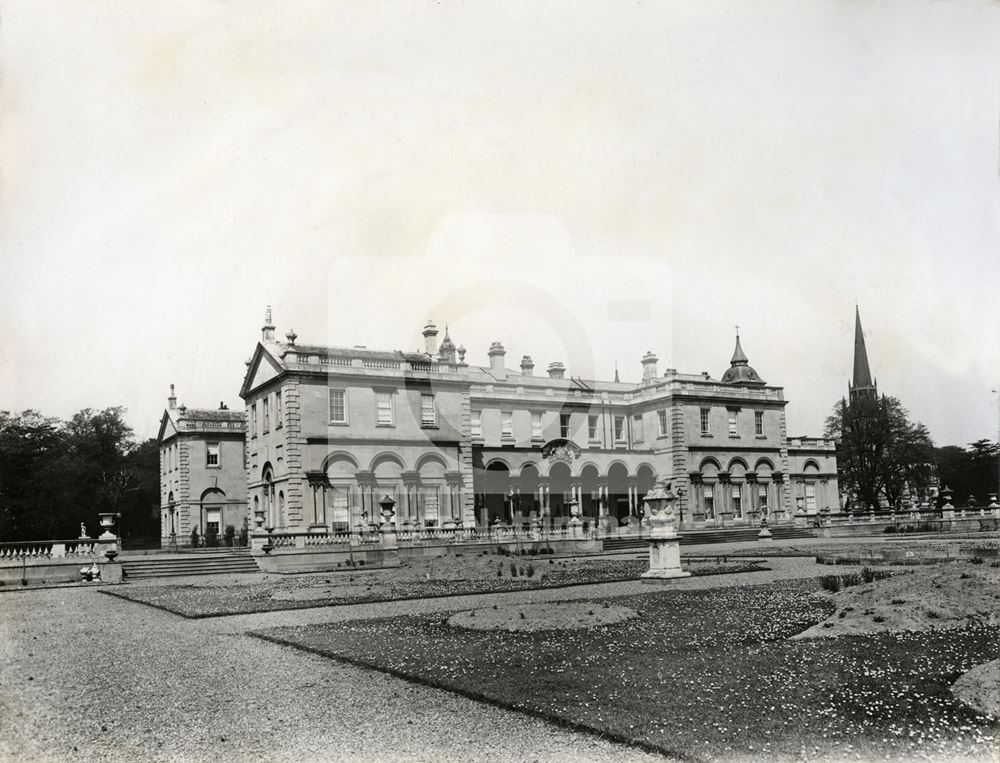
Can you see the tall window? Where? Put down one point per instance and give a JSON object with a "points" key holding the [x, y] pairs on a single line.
{"points": [[810, 496], [593, 427], [619, 429], [267, 414], [338, 406], [709, 503], [637, 429], [758, 422], [212, 454], [428, 411], [737, 501], [706, 422], [564, 425], [477, 423], [506, 425], [253, 420], [383, 406], [536, 425], [762, 497], [733, 428], [277, 409], [661, 417]]}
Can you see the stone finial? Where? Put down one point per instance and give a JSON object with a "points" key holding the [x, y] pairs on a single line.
{"points": [[556, 370], [461, 353], [172, 400], [291, 336]]}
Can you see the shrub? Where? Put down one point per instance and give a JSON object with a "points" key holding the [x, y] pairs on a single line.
{"points": [[244, 537], [513, 570], [531, 570], [933, 614], [976, 560], [995, 563], [878, 619], [211, 538], [194, 537], [852, 579], [830, 583], [868, 574], [230, 536], [499, 570], [889, 529], [898, 601]]}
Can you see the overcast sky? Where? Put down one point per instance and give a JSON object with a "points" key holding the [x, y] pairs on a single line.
{"points": [[582, 181]]}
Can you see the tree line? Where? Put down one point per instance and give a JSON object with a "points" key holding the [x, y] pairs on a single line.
{"points": [[55, 474]]}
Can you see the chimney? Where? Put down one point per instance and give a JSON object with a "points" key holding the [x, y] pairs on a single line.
{"points": [[223, 406], [557, 370], [497, 354], [267, 330], [527, 366], [172, 400], [649, 366], [430, 338]]}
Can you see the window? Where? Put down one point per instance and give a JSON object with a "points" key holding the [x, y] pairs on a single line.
{"points": [[762, 496], [758, 423], [338, 406], [428, 411], [733, 428], [564, 425], [506, 425], [619, 429], [253, 420], [637, 432], [477, 424], [383, 404], [212, 521], [661, 416], [593, 428], [536, 426], [709, 503], [706, 424], [737, 501], [212, 454], [267, 415], [810, 496], [277, 409]]}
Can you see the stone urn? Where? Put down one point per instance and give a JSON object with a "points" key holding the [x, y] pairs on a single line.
{"points": [[107, 520], [387, 504], [664, 544]]}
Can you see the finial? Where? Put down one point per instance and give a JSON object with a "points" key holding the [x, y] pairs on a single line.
{"points": [[616, 372], [267, 315], [291, 336], [737, 331]]}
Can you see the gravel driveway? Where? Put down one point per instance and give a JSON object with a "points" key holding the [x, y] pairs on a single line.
{"points": [[92, 677]]}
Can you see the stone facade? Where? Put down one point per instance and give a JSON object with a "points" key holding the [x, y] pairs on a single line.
{"points": [[202, 471], [332, 430]]}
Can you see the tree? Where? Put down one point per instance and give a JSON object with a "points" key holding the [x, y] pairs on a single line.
{"points": [[969, 471], [880, 452]]}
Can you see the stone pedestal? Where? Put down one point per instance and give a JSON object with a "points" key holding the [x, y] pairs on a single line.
{"points": [[111, 572], [664, 545], [764, 534], [664, 560]]}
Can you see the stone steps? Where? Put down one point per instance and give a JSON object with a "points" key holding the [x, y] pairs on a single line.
{"points": [[200, 563]]}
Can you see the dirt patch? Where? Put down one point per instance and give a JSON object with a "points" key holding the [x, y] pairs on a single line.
{"points": [[940, 596], [980, 689], [542, 617]]}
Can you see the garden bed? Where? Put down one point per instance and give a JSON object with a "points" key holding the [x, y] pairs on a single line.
{"points": [[701, 674], [421, 580]]}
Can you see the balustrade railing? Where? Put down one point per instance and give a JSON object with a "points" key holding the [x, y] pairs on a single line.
{"points": [[50, 549]]}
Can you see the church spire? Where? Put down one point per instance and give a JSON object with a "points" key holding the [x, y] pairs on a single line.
{"points": [[739, 357], [862, 384]]}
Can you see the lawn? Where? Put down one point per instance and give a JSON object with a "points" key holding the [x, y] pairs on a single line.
{"points": [[702, 674], [427, 579]]}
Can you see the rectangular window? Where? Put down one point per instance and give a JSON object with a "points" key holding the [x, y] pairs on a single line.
{"points": [[428, 411], [477, 424], [810, 496], [661, 416], [212, 454], [706, 423], [338, 406], [253, 420], [619, 429], [733, 428], [383, 405], [536, 426], [564, 425], [737, 502], [709, 503], [593, 427], [277, 410], [506, 425], [758, 422], [762, 496], [267, 414], [637, 429]]}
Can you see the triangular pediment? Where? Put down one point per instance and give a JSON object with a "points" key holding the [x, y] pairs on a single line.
{"points": [[167, 427], [263, 368]]}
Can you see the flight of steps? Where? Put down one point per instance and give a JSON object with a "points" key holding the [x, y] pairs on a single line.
{"points": [[695, 537], [215, 562]]}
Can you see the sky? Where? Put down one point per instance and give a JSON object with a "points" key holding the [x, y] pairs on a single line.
{"points": [[582, 181]]}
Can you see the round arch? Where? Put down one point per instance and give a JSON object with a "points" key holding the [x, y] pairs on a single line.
{"points": [[386, 456], [618, 491], [337, 456], [431, 458], [737, 461]]}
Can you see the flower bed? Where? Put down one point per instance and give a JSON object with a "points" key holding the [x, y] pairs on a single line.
{"points": [[703, 674], [478, 575]]}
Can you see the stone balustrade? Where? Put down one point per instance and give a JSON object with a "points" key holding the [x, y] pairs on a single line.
{"points": [[53, 549]]}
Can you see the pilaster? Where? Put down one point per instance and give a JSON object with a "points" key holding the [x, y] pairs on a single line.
{"points": [[295, 445]]}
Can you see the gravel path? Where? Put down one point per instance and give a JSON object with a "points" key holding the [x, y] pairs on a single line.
{"points": [[93, 677]]}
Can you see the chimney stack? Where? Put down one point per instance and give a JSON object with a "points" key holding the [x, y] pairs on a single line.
{"points": [[527, 366], [557, 370], [649, 366], [430, 338], [497, 354], [267, 330], [172, 400]]}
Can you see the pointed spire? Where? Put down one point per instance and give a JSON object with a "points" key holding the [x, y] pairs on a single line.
{"points": [[616, 372], [862, 372], [740, 371], [739, 357]]}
